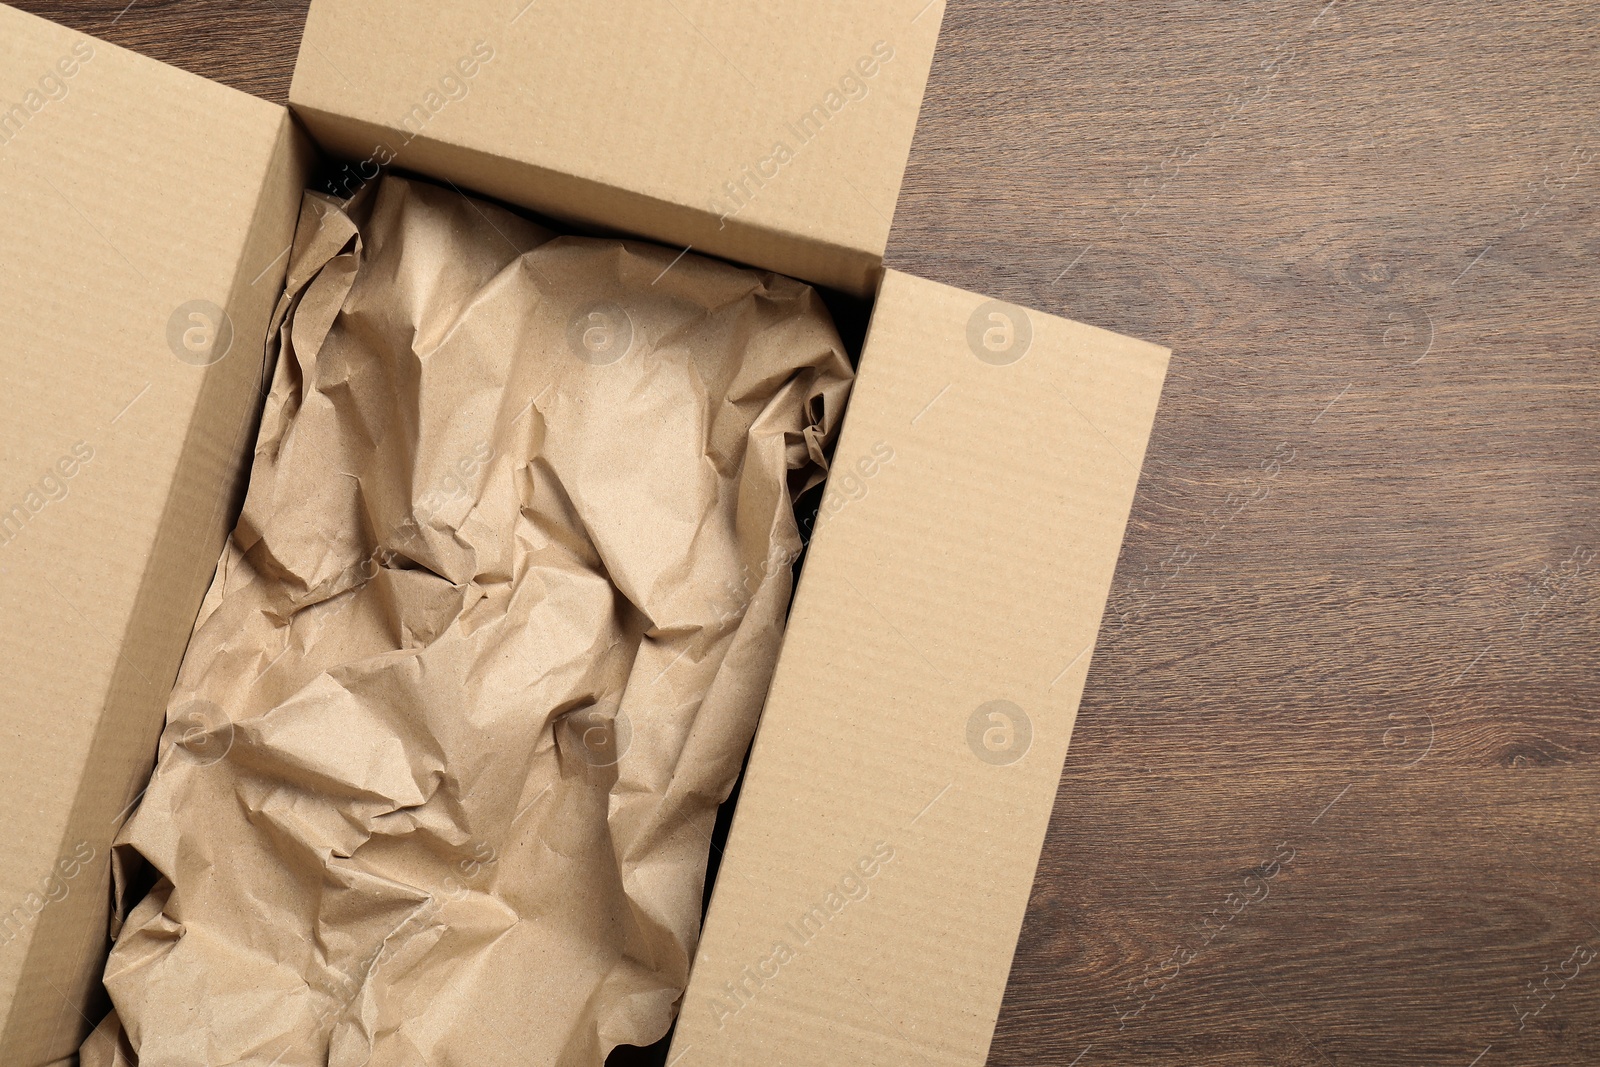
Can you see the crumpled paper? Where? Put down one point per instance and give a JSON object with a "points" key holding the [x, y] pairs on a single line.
{"points": [[483, 655]]}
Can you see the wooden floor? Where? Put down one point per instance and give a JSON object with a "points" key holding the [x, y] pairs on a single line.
{"points": [[1333, 796]]}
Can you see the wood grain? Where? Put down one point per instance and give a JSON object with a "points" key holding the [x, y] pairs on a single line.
{"points": [[1355, 622]]}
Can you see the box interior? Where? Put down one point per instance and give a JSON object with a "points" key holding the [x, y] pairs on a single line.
{"points": [[322, 170], [331, 172]]}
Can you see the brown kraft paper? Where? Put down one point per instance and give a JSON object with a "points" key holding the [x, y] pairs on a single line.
{"points": [[483, 654]]}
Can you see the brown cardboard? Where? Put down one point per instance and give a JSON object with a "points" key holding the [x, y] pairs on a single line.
{"points": [[913, 738], [131, 190], [968, 536], [642, 117]]}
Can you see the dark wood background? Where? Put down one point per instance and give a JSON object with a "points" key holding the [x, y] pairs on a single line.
{"points": [[1333, 794]]}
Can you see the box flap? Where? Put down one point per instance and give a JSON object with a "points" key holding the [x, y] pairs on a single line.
{"points": [[148, 213], [897, 796], [775, 134]]}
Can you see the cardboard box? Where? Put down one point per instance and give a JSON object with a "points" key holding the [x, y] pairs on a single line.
{"points": [[903, 776]]}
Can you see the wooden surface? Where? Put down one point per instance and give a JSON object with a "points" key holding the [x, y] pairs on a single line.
{"points": [[1332, 797]]}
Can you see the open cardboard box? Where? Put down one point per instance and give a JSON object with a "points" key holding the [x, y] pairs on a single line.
{"points": [[946, 615]]}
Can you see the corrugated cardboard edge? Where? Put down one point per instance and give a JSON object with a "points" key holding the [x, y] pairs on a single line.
{"points": [[592, 203], [58, 993], [889, 829]]}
